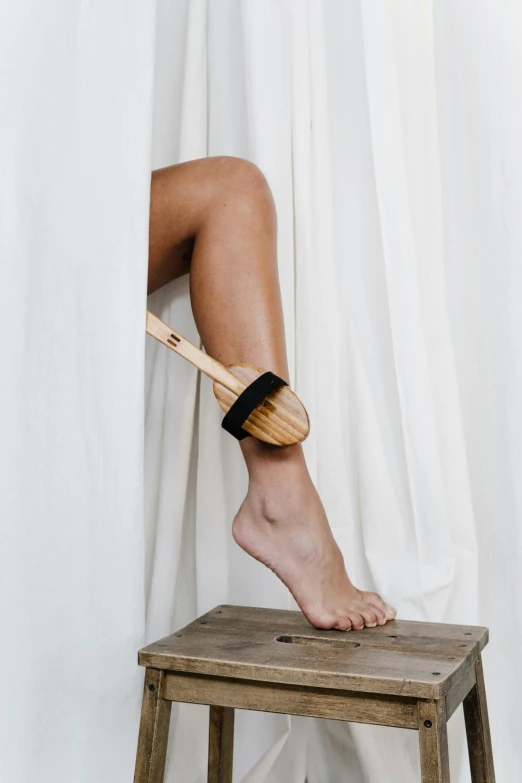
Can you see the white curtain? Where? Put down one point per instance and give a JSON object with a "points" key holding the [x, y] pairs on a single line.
{"points": [[75, 131], [390, 134]]}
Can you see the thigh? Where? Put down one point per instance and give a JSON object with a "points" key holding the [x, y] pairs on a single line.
{"points": [[181, 196]]}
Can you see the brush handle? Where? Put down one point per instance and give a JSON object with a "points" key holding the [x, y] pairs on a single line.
{"points": [[177, 343]]}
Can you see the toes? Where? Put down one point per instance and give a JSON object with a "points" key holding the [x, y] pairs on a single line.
{"points": [[379, 614], [343, 624], [323, 622], [356, 620], [384, 611], [369, 615], [376, 600], [330, 621], [369, 610], [390, 612]]}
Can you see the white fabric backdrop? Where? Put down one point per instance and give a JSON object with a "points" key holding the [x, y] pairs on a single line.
{"points": [[390, 135], [388, 132], [75, 129]]}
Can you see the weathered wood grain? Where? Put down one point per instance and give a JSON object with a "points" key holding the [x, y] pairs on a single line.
{"points": [[405, 674], [292, 700], [404, 658], [154, 731], [477, 730], [433, 742], [460, 690], [220, 744]]}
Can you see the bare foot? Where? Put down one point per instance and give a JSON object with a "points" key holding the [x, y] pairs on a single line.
{"points": [[282, 523]]}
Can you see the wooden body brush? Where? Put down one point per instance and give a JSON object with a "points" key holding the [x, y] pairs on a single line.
{"points": [[277, 417]]}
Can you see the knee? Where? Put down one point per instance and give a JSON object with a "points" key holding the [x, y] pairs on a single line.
{"points": [[242, 185]]}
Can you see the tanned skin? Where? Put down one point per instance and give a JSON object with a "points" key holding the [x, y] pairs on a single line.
{"points": [[215, 220]]}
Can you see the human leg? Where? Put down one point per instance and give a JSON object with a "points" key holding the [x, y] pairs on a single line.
{"points": [[216, 218]]}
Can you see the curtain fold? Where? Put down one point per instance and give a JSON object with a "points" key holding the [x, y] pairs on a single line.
{"points": [[390, 136], [76, 84], [360, 116]]}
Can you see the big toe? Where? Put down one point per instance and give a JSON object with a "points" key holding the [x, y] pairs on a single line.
{"points": [[383, 610], [327, 620]]}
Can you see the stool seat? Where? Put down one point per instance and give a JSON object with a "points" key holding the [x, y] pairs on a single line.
{"points": [[270, 645], [410, 675]]}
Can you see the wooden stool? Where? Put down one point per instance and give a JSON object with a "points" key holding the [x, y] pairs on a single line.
{"points": [[406, 674]]}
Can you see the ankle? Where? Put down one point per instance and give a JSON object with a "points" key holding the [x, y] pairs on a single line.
{"points": [[284, 495], [264, 462]]}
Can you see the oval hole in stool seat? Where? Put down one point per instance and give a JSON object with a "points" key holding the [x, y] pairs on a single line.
{"points": [[317, 641]]}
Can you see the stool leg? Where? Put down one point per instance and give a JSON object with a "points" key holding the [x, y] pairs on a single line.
{"points": [[220, 745], [477, 730], [154, 731], [433, 741]]}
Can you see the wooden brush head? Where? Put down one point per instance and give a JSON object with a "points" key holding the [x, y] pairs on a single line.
{"points": [[281, 419]]}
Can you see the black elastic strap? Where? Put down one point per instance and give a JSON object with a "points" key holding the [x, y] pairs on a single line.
{"points": [[248, 400]]}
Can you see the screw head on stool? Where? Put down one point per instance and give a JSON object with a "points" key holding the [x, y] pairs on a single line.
{"points": [[152, 688], [428, 724]]}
